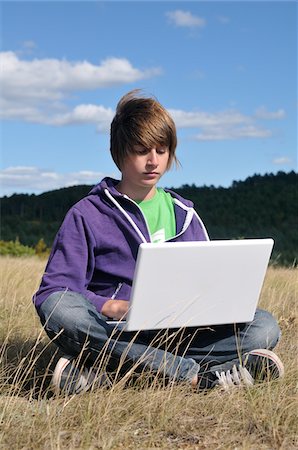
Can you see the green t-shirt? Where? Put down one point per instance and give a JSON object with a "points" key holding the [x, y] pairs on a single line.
{"points": [[160, 215]]}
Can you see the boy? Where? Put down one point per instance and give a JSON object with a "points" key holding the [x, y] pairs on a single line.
{"points": [[89, 274]]}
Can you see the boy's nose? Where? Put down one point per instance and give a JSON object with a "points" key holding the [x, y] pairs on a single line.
{"points": [[152, 157]]}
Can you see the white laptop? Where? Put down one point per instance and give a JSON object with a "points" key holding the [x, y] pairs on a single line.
{"points": [[189, 284]]}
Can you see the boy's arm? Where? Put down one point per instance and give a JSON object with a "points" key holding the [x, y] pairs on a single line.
{"points": [[71, 264]]}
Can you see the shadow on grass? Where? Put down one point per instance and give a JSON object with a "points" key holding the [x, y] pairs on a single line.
{"points": [[26, 367]]}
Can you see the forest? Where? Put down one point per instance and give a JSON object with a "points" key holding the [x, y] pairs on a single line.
{"points": [[260, 206]]}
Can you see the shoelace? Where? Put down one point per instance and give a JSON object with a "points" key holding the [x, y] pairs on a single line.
{"points": [[85, 380], [88, 377], [239, 376]]}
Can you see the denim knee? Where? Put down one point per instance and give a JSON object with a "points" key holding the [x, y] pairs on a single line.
{"points": [[70, 319], [264, 331], [64, 308]]}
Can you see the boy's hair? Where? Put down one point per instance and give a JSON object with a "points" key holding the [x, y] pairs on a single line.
{"points": [[141, 120]]}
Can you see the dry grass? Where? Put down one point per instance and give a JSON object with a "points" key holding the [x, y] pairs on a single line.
{"points": [[142, 416]]}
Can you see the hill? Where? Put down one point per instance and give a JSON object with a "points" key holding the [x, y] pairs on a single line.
{"points": [[260, 206]]}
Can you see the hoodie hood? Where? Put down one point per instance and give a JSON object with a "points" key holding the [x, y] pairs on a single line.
{"points": [[106, 183]]}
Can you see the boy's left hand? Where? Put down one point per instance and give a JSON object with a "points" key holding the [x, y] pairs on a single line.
{"points": [[117, 309]]}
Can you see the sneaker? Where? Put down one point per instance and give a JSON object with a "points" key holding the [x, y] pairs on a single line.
{"points": [[70, 379], [257, 366]]}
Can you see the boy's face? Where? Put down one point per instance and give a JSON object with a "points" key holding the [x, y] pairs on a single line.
{"points": [[143, 167]]}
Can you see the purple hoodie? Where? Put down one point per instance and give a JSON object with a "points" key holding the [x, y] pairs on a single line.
{"points": [[95, 250]]}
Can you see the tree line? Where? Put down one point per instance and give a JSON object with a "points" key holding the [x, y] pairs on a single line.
{"points": [[260, 206]]}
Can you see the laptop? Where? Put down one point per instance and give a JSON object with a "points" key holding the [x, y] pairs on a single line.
{"points": [[196, 284]]}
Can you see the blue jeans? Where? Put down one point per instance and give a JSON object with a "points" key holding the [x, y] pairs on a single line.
{"points": [[77, 328]]}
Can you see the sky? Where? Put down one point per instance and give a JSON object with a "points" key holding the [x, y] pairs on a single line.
{"points": [[225, 70]]}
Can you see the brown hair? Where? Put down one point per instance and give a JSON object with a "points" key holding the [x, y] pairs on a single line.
{"points": [[141, 120]]}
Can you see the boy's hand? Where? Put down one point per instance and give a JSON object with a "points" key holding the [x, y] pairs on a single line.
{"points": [[117, 309]]}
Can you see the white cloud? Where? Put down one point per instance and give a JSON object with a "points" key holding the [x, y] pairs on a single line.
{"points": [[52, 78], [34, 179], [221, 133], [84, 114], [185, 19], [219, 126], [31, 89], [263, 113], [36, 91], [229, 124], [282, 160], [196, 119]]}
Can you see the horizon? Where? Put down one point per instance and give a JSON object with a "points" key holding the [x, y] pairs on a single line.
{"points": [[168, 187], [226, 71]]}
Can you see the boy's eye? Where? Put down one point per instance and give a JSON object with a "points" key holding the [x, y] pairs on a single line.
{"points": [[162, 150], [141, 151], [144, 151]]}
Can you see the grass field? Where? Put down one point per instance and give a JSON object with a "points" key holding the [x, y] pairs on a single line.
{"points": [[143, 415]]}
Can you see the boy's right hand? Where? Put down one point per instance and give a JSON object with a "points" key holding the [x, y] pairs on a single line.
{"points": [[116, 309]]}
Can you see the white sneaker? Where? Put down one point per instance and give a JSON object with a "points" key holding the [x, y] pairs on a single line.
{"points": [[258, 365], [70, 379]]}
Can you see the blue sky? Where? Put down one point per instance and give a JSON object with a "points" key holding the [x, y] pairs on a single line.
{"points": [[227, 72]]}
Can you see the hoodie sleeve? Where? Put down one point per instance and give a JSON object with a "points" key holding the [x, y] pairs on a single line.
{"points": [[71, 263]]}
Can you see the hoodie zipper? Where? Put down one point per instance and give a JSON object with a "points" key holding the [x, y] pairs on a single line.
{"points": [[117, 290], [143, 215]]}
